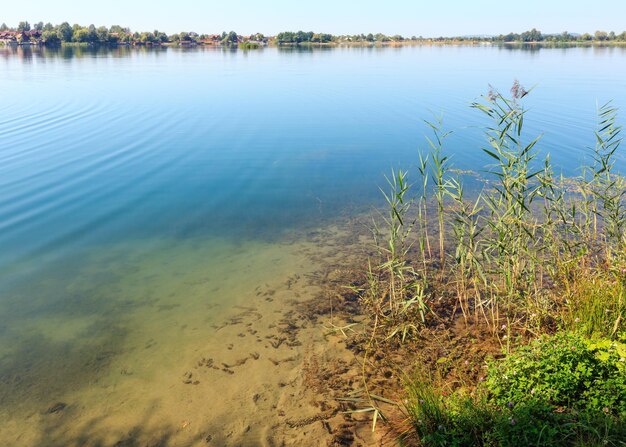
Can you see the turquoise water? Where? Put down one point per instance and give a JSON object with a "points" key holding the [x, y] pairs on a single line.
{"points": [[98, 146], [123, 170]]}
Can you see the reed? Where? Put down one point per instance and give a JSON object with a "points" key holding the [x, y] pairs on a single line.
{"points": [[532, 252], [467, 229], [439, 166], [608, 188], [395, 291], [523, 247]]}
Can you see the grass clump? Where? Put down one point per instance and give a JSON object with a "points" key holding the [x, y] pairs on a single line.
{"points": [[596, 301], [562, 390]]}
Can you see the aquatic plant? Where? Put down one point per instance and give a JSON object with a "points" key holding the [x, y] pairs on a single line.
{"points": [[439, 165], [467, 228], [404, 288], [530, 253]]}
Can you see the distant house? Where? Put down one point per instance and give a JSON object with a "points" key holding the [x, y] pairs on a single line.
{"points": [[21, 37], [211, 39], [9, 37]]}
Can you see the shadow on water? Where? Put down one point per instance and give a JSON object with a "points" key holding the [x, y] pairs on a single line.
{"points": [[60, 334], [59, 430], [39, 370]]}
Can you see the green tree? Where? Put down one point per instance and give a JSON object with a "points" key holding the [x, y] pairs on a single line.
{"points": [[146, 37], [93, 34], [102, 34], [38, 26], [64, 32], [380, 37], [285, 37], [531, 36], [4, 27], [160, 36], [230, 38], [118, 29], [81, 35], [50, 38], [23, 26], [601, 36]]}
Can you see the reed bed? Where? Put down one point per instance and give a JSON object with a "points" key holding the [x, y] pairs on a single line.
{"points": [[522, 252], [531, 253]]}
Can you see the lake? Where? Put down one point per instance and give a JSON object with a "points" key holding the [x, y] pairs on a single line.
{"points": [[163, 210]]}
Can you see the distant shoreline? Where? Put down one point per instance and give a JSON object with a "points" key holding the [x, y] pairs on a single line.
{"points": [[245, 45], [48, 34]]}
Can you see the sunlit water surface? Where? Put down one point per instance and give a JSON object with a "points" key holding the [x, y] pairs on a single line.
{"points": [[145, 193]]}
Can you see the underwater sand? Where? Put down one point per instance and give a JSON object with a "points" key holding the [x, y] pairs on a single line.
{"points": [[188, 342]]}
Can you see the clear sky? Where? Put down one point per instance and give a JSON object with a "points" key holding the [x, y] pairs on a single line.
{"points": [[406, 17]]}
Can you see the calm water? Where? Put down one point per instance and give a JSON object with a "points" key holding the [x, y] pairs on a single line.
{"points": [[98, 147], [127, 177]]}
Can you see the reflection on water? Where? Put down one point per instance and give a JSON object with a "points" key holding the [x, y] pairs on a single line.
{"points": [[145, 193], [26, 53]]}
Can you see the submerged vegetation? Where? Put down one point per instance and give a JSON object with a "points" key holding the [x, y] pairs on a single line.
{"points": [[533, 267]]}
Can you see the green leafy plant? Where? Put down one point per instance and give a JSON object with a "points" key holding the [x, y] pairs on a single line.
{"points": [[560, 391], [566, 371]]}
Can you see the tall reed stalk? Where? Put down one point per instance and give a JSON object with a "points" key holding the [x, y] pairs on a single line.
{"points": [[609, 189], [440, 165]]}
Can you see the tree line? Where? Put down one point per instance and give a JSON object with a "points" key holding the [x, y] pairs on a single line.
{"points": [[66, 33], [536, 36], [533, 35]]}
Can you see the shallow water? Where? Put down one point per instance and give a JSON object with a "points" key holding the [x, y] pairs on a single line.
{"points": [[156, 207]]}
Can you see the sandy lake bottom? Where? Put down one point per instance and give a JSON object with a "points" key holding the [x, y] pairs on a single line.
{"points": [[192, 342]]}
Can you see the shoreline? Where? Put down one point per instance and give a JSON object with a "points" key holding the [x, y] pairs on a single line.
{"points": [[305, 45]]}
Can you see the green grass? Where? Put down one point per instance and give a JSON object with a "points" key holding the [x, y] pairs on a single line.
{"points": [[560, 391]]}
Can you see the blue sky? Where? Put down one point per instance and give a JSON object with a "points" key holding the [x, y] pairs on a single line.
{"points": [[417, 17]]}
